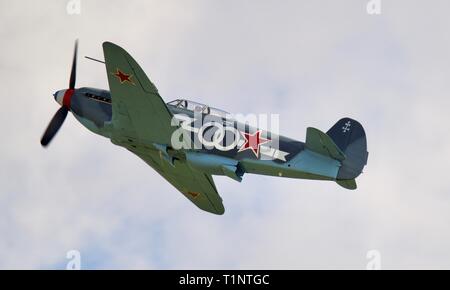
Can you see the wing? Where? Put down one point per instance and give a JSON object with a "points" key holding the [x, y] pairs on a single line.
{"points": [[197, 186], [141, 117], [139, 113]]}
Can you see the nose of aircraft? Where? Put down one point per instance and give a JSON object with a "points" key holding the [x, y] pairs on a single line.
{"points": [[59, 96]]}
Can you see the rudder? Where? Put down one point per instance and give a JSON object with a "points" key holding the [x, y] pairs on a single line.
{"points": [[349, 136]]}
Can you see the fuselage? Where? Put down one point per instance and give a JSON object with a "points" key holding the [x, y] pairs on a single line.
{"points": [[215, 139]]}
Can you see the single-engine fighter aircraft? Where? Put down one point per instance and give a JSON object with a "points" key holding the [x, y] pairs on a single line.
{"points": [[133, 115]]}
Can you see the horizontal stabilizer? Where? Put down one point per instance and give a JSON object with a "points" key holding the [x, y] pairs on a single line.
{"points": [[347, 183], [321, 143]]}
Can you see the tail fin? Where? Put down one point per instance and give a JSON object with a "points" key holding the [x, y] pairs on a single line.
{"points": [[349, 136]]}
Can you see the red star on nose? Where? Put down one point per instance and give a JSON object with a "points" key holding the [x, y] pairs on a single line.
{"points": [[123, 77], [253, 141]]}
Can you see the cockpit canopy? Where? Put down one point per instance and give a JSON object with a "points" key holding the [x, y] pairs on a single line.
{"points": [[197, 107]]}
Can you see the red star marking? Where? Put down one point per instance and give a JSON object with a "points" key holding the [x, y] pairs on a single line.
{"points": [[193, 194], [253, 141], [123, 77]]}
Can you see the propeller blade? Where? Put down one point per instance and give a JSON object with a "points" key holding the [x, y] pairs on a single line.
{"points": [[73, 73], [54, 126]]}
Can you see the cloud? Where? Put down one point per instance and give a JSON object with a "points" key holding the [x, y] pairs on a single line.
{"points": [[311, 63]]}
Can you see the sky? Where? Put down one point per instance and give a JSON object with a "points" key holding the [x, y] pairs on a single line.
{"points": [[311, 62]]}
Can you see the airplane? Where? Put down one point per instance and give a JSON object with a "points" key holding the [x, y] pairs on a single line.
{"points": [[134, 116]]}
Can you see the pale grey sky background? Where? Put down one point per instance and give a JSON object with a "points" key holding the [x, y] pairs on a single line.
{"points": [[312, 62]]}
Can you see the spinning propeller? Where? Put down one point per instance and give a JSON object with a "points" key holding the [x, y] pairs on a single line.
{"points": [[63, 97]]}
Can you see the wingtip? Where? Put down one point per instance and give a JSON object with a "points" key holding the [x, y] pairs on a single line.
{"points": [[108, 44], [216, 211]]}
